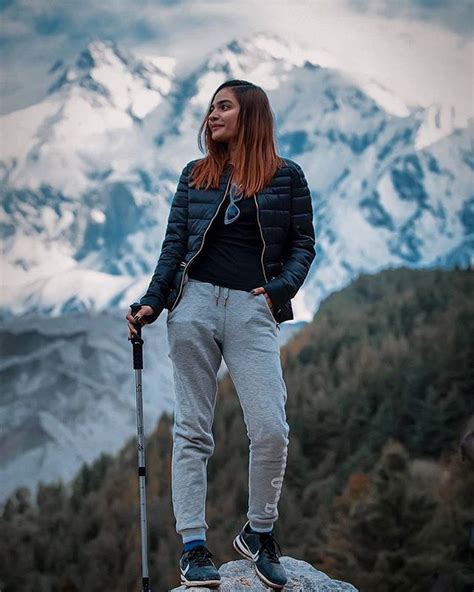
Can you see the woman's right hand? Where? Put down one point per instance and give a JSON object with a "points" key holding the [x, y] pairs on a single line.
{"points": [[140, 316]]}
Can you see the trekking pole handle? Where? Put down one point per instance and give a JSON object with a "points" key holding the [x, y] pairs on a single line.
{"points": [[137, 341]]}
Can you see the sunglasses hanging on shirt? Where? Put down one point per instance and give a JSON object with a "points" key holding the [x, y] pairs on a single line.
{"points": [[232, 212]]}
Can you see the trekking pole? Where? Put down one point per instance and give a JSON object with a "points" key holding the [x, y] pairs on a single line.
{"points": [[137, 344]]}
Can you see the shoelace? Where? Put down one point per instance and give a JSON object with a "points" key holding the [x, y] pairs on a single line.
{"points": [[268, 545], [200, 556]]}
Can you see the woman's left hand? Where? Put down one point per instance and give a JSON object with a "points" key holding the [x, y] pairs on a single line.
{"points": [[261, 290]]}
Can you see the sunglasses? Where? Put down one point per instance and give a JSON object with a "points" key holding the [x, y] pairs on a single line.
{"points": [[232, 212]]}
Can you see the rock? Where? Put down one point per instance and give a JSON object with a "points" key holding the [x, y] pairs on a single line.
{"points": [[240, 576]]}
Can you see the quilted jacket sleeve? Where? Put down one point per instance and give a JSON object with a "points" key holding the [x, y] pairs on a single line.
{"points": [[173, 249], [301, 243]]}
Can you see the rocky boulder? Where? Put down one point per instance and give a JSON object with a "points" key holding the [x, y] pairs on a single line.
{"points": [[240, 576]]}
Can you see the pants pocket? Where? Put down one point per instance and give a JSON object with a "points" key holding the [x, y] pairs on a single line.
{"points": [[172, 311], [267, 307]]}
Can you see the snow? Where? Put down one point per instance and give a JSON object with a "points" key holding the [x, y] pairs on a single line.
{"points": [[39, 258], [126, 89], [166, 64], [440, 121], [46, 141], [423, 64], [49, 219], [386, 98], [98, 216], [399, 210], [85, 141], [19, 128]]}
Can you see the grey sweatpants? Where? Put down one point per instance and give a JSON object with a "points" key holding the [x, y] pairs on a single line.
{"points": [[211, 322]]}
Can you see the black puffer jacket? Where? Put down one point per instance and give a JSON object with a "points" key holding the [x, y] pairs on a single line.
{"points": [[285, 217]]}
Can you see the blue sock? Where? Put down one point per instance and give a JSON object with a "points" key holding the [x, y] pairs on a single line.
{"points": [[248, 528], [191, 544]]}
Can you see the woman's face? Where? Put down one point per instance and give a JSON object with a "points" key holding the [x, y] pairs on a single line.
{"points": [[223, 116]]}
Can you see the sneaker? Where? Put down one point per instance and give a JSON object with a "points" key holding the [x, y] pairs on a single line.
{"points": [[261, 549], [197, 568]]}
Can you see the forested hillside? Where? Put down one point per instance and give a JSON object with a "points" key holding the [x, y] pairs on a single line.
{"points": [[380, 394]]}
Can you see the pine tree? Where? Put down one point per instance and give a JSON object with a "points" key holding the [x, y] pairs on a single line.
{"points": [[376, 536]]}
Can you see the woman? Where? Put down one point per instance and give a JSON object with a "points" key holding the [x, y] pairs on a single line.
{"points": [[238, 246]]}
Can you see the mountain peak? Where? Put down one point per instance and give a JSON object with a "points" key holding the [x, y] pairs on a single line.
{"points": [[268, 45], [101, 52], [101, 64], [261, 55]]}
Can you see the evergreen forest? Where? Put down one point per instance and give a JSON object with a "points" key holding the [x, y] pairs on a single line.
{"points": [[377, 492]]}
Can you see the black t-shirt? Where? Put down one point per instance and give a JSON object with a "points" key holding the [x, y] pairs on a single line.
{"points": [[231, 255]]}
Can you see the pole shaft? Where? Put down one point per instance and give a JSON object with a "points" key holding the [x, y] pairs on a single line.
{"points": [[142, 474]]}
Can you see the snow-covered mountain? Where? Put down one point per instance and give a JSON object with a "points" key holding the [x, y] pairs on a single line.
{"points": [[87, 178]]}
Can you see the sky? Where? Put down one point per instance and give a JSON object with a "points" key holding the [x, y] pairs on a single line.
{"points": [[423, 49]]}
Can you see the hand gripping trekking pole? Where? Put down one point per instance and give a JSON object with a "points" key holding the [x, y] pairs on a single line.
{"points": [[137, 343]]}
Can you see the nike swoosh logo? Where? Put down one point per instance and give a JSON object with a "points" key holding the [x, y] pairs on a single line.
{"points": [[254, 555]]}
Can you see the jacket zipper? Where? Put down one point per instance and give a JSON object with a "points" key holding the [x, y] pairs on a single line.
{"points": [[264, 246], [200, 248], [263, 240]]}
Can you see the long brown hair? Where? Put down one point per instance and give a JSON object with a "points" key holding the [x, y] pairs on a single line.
{"points": [[256, 159]]}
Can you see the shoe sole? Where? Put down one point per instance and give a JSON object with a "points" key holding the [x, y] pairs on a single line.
{"points": [[240, 546], [200, 582]]}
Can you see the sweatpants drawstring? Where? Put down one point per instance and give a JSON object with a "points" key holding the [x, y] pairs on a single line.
{"points": [[217, 293]]}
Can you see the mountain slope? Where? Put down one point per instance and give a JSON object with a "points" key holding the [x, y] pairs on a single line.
{"points": [[88, 180]]}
